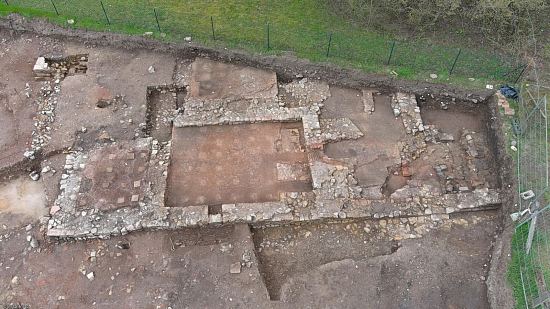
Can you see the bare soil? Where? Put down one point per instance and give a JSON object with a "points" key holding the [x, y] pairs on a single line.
{"points": [[352, 269], [311, 266], [185, 269], [454, 120], [15, 89], [216, 80]]}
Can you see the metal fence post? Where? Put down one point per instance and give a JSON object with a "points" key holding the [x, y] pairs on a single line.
{"points": [[391, 53], [105, 12], [329, 43], [212, 24], [55, 8], [157, 19], [268, 43], [521, 73], [454, 62]]}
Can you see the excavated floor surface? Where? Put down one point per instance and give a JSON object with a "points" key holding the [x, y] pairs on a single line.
{"points": [[236, 164], [355, 198]]}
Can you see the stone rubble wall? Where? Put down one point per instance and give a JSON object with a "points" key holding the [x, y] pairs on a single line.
{"points": [[215, 112], [308, 92], [47, 103], [406, 107], [368, 101], [336, 193]]}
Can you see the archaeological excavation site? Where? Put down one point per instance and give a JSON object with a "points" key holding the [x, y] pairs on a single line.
{"points": [[138, 175]]}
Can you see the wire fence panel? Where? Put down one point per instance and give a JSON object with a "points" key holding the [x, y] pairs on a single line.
{"points": [[531, 245], [533, 177], [118, 12], [531, 242], [36, 4], [496, 66]]}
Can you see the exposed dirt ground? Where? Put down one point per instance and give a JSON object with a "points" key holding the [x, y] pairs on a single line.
{"points": [[15, 89], [347, 264], [378, 149], [311, 266], [187, 269], [446, 269]]}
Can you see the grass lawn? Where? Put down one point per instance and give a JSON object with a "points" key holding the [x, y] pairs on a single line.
{"points": [[521, 263], [302, 27]]}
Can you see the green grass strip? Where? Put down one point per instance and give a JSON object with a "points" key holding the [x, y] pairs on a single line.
{"points": [[299, 27]]}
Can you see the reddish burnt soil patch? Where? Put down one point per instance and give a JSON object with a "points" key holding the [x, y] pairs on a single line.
{"points": [[229, 164]]}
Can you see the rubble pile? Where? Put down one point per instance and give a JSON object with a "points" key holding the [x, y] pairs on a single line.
{"points": [[47, 102]]}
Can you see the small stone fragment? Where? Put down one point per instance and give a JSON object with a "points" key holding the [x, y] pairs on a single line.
{"points": [[33, 242], [54, 209], [446, 137], [235, 268], [34, 175], [90, 276]]}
